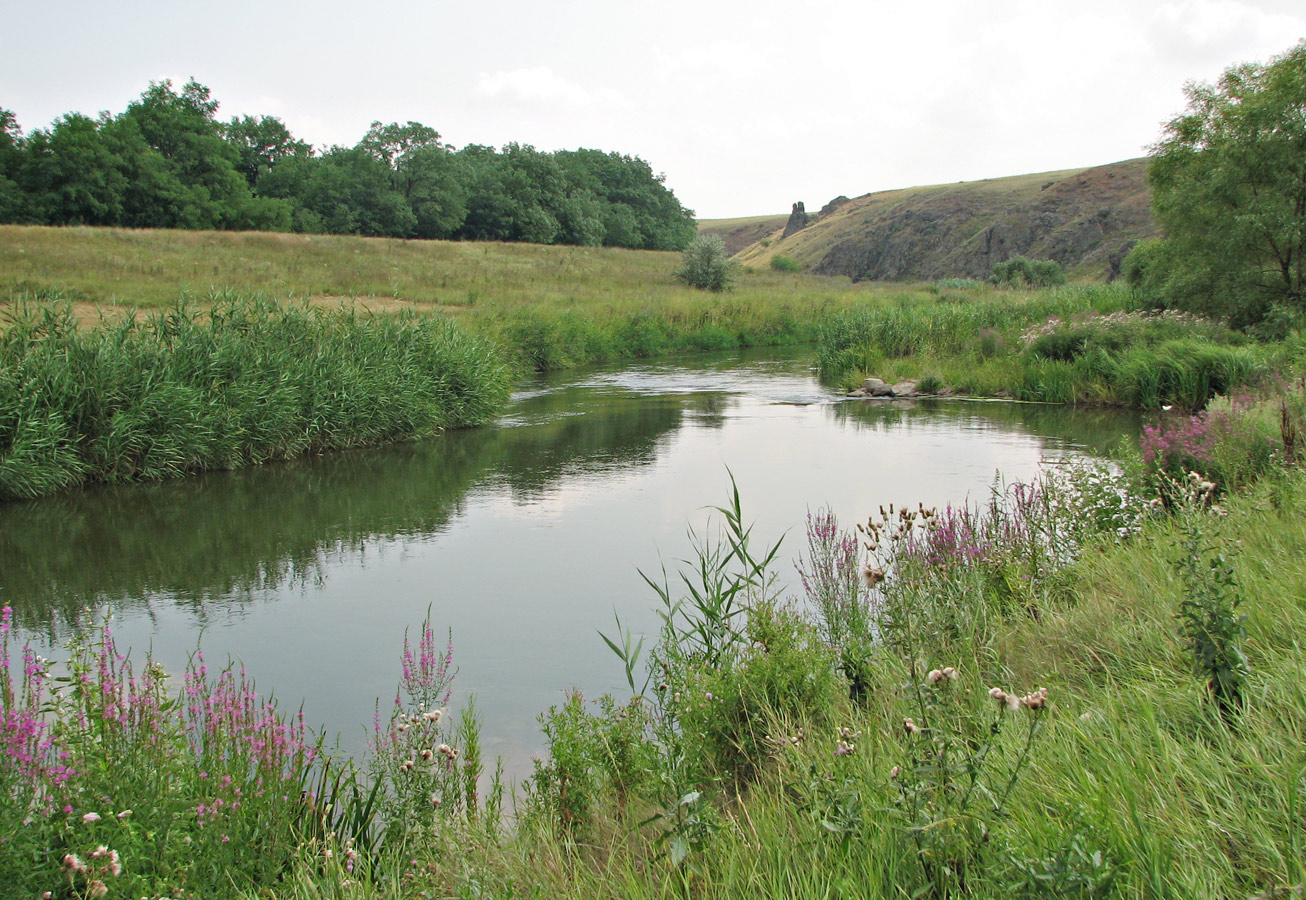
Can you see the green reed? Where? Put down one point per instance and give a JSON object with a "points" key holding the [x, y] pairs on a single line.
{"points": [[245, 381]]}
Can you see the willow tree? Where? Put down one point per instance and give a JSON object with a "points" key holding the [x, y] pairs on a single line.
{"points": [[1229, 188]]}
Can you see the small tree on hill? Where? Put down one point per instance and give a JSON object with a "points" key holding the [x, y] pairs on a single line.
{"points": [[705, 264]]}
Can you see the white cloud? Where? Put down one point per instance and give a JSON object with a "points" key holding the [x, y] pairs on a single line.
{"points": [[542, 86], [1221, 31]]}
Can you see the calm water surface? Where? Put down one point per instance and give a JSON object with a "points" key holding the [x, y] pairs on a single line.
{"points": [[523, 537]]}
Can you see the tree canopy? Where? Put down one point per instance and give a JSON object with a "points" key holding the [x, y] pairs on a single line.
{"points": [[1229, 188], [168, 162]]}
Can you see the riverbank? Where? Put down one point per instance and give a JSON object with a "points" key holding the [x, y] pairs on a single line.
{"points": [[788, 752], [1080, 343], [548, 307]]}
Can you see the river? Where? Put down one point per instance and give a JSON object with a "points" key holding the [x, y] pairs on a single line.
{"points": [[523, 538]]}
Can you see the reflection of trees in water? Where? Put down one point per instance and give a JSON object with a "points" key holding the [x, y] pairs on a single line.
{"points": [[709, 410], [1097, 429], [221, 535], [623, 433]]}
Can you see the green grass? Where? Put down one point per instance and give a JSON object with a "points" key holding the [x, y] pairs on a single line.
{"points": [[1133, 787]]}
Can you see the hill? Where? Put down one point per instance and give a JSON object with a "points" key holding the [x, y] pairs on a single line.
{"points": [[1085, 219], [740, 233]]}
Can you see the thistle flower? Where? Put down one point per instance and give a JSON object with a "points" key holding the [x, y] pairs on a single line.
{"points": [[950, 673], [1036, 700], [935, 676], [844, 748], [909, 725], [73, 863], [895, 772], [872, 574], [91, 817], [96, 889]]}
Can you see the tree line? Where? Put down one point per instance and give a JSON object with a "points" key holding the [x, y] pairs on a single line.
{"points": [[168, 162]]}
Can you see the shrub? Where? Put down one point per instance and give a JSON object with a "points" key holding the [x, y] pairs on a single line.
{"points": [[1021, 272], [785, 264], [592, 759], [930, 383], [705, 264], [958, 284], [784, 674]]}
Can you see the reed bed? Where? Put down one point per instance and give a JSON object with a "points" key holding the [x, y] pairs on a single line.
{"points": [[242, 382]]}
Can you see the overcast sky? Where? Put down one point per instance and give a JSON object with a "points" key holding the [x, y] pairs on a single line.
{"points": [[745, 106]]}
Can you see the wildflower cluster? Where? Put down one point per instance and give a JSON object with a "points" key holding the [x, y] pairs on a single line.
{"points": [[210, 771], [1233, 441], [959, 768], [1012, 702], [1164, 320], [844, 746], [89, 878]]}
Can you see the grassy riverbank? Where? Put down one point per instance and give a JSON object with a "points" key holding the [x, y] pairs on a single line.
{"points": [[1073, 344], [1056, 694]]}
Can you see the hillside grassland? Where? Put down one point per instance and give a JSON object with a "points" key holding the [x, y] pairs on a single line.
{"points": [[1085, 219]]}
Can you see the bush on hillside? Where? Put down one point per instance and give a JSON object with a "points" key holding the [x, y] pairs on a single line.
{"points": [[785, 264], [1021, 272]]}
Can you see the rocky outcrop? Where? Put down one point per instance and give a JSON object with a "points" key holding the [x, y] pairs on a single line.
{"points": [[798, 220], [832, 206]]}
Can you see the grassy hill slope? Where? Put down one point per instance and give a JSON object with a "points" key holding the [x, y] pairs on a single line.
{"points": [[1085, 219], [740, 233]]}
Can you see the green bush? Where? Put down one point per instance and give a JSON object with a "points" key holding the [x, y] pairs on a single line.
{"points": [[1021, 272], [785, 264], [785, 675], [705, 264], [593, 760]]}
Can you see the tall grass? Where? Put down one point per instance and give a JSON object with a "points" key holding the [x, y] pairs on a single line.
{"points": [[242, 382]]}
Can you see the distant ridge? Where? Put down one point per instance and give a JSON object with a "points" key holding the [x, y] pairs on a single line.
{"points": [[1085, 219]]}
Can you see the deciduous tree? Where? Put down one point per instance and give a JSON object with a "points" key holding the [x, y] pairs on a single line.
{"points": [[1229, 187]]}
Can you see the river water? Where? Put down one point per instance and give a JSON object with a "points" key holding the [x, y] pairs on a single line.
{"points": [[523, 538]]}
